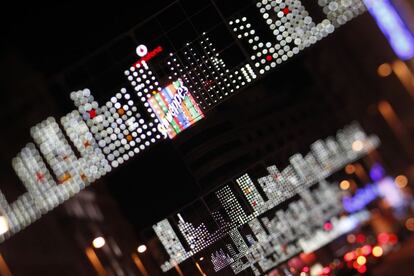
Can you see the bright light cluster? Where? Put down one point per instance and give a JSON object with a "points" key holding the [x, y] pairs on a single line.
{"points": [[119, 129], [341, 11], [326, 157], [201, 67], [293, 28]]}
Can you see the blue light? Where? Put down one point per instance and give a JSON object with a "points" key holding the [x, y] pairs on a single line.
{"points": [[394, 29]]}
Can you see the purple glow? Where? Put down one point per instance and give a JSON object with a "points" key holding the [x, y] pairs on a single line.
{"points": [[377, 172], [393, 27]]}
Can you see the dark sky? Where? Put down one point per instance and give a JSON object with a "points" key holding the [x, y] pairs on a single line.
{"points": [[54, 36]]}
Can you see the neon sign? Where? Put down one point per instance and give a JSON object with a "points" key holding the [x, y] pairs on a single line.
{"points": [[175, 108], [142, 51]]}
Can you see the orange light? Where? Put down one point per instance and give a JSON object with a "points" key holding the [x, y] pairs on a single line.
{"points": [[344, 185], [401, 181], [409, 224], [377, 251], [384, 70], [350, 169], [349, 256], [361, 260]]}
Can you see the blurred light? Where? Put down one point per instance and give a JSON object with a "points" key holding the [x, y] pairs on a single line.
{"points": [[202, 258], [384, 70], [392, 238], [98, 242], [357, 145], [142, 248], [409, 224], [349, 256], [399, 37], [382, 238], [4, 225], [362, 269], [351, 238], [401, 181], [350, 169], [360, 238], [376, 172], [306, 269], [366, 250], [327, 226], [344, 185], [361, 260], [377, 251]]}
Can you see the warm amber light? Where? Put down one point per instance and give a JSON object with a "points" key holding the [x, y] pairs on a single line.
{"points": [[350, 169], [377, 251], [409, 223], [357, 145], [98, 242], [401, 181], [361, 260], [344, 185], [384, 70]]}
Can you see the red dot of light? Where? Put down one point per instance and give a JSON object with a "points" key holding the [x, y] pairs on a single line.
{"points": [[286, 10], [362, 269], [382, 238], [327, 226], [268, 57], [92, 113], [360, 238]]}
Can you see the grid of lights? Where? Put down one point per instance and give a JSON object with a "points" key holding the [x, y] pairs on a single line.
{"points": [[107, 136], [326, 157], [119, 129], [292, 27]]}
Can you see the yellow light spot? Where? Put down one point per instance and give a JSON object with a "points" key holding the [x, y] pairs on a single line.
{"points": [[344, 185], [377, 251], [361, 260], [401, 181], [384, 70]]}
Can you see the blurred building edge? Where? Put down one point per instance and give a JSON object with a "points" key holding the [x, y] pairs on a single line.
{"points": [[61, 242]]}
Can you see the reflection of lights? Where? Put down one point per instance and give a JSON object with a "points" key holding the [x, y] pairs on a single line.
{"points": [[384, 70], [357, 145], [350, 169], [98, 242], [344, 185], [409, 223], [401, 181], [377, 251], [4, 226], [361, 260], [142, 248]]}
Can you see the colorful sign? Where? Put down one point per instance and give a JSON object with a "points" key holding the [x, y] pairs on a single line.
{"points": [[175, 108]]}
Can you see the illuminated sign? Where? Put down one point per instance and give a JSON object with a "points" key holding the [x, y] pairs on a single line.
{"points": [[134, 118], [142, 51], [393, 27], [175, 108]]}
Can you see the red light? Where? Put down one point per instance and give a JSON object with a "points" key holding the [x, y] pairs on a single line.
{"points": [[305, 269], [327, 226], [366, 250], [360, 238], [349, 256], [362, 269], [392, 238], [268, 57], [286, 10], [92, 113], [326, 270], [382, 238]]}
